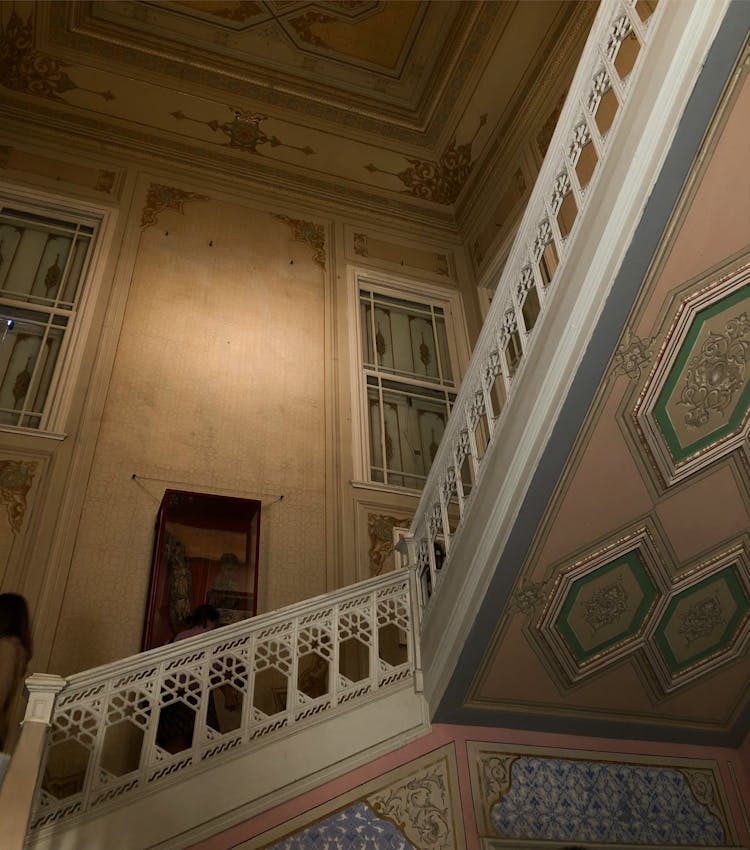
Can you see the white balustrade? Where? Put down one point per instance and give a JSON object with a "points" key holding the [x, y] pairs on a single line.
{"points": [[575, 160], [279, 671]]}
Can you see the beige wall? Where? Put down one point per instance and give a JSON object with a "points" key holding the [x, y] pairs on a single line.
{"points": [[219, 360]]}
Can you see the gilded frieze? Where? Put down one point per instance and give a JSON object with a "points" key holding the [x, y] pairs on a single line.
{"points": [[161, 197]]}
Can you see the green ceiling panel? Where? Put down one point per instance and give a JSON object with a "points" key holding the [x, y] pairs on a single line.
{"points": [[707, 382], [606, 607], [702, 621]]}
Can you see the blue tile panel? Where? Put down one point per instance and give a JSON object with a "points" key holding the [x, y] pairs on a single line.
{"points": [[354, 828], [565, 800]]}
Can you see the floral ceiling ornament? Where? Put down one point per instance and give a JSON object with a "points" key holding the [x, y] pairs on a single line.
{"points": [[24, 69], [715, 375], [606, 605], [161, 197], [244, 131], [528, 597], [16, 477], [632, 355], [701, 618], [441, 181], [309, 233]]}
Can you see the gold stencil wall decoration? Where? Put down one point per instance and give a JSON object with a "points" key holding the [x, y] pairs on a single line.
{"points": [[16, 478], [161, 197], [439, 181], [311, 234], [244, 131], [29, 71], [421, 807]]}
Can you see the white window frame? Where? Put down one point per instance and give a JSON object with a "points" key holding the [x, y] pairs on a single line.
{"points": [[69, 360], [458, 343]]}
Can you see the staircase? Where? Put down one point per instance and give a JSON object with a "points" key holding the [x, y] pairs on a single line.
{"points": [[277, 704], [287, 700]]}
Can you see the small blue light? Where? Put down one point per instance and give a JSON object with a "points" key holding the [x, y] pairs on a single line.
{"points": [[9, 324]]}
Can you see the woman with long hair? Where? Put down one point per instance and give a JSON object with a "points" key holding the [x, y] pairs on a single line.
{"points": [[15, 651]]}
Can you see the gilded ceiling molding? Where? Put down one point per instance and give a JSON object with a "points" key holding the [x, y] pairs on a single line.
{"points": [[420, 806], [240, 11], [309, 233], [29, 71], [161, 197], [441, 181], [244, 132], [16, 478]]}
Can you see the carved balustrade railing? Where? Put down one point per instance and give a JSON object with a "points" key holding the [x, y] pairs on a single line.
{"points": [[577, 155], [115, 730]]}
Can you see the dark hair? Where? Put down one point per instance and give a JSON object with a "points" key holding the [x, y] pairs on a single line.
{"points": [[14, 619], [204, 614]]}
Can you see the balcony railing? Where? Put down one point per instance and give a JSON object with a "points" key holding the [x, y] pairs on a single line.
{"points": [[615, 52], [123, 728]]}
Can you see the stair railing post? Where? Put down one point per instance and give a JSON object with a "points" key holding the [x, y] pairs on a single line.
{"points": [[407, 546], [17, 790]]}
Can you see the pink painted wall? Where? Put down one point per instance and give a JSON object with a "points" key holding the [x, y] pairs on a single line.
{"points": [[734, 766]]}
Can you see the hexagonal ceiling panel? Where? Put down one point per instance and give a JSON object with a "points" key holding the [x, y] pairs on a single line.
{"points": [[696, 404], [706, 622], [600, 609]]}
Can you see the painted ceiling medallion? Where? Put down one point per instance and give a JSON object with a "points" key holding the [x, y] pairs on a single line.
{"points": [[602, 607], [695, 406]]}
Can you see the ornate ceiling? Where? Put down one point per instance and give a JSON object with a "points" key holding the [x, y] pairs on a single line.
{"points": [[629, 614], [396, 104]]}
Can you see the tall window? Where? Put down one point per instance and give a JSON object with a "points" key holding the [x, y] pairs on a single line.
{"points": [[43, 264], [409, 365]]}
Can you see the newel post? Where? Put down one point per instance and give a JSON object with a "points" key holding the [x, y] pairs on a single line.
{"points": [[17, 790], [407, 547]]}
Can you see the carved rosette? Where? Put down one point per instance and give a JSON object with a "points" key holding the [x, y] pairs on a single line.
{"points": [[161, 197], [16, 478], [309, 233], [420, 807]]}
